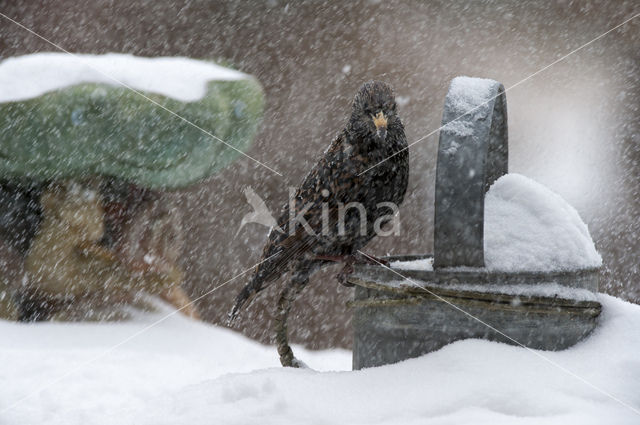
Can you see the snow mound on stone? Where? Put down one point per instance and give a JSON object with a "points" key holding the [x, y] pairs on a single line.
{"points": [[30, 76], [425, 264], [527, 227], [469, 93]]}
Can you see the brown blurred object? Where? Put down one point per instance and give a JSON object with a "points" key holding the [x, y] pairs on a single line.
{"points": [[71, 276], [146, 230]]}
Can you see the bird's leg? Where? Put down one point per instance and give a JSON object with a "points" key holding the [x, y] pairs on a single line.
{"points": [[287, 297], [347, 270], [349, 260]]}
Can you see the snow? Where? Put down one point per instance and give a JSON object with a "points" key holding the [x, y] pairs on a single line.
{"points": [[468, 93], [425, 264], [467, 96], [30, 76], [183, 371], [527, 227], [462, 129], [403, 100], [542, 289]]}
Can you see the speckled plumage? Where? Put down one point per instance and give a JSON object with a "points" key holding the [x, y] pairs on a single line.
{"points": [[336, 179]]}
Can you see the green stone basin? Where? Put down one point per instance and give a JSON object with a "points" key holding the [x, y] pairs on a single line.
{"points": [[103, 128]]}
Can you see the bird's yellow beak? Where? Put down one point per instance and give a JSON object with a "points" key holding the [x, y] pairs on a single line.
{"points": [[380, 121]]}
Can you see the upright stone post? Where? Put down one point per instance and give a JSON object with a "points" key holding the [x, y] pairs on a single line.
{"points": [[472, 154]]}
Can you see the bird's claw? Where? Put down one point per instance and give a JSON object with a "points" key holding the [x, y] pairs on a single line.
{"points": [[343, 276]]}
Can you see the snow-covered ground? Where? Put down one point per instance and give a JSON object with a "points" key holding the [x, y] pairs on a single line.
{"points": [[185, 372]]}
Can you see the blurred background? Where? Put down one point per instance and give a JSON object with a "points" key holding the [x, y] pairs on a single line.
{"points": [[573, 127]]}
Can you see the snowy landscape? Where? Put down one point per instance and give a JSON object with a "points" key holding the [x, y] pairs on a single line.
{"points": [[174, 246], [181, 371]]}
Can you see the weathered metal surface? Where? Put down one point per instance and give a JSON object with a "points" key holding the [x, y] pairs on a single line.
{"points": [[393, 322], [392, 328], [472, 154], [584, 278]]}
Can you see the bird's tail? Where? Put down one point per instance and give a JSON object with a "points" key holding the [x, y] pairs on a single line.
{"points": [[252, 288]]}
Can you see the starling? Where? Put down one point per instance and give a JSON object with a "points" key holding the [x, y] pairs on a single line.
{"points": [[336, 210]]}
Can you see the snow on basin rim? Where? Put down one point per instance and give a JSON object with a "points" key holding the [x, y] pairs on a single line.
{"points": [[542, 289], [29, 76], [528, 227], [424, 264]]}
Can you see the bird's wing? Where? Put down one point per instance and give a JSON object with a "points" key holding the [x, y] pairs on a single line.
{"points": [[290, 245]]}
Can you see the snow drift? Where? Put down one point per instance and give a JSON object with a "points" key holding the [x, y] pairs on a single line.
{"points": [[527, 227], [184, 372]]}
